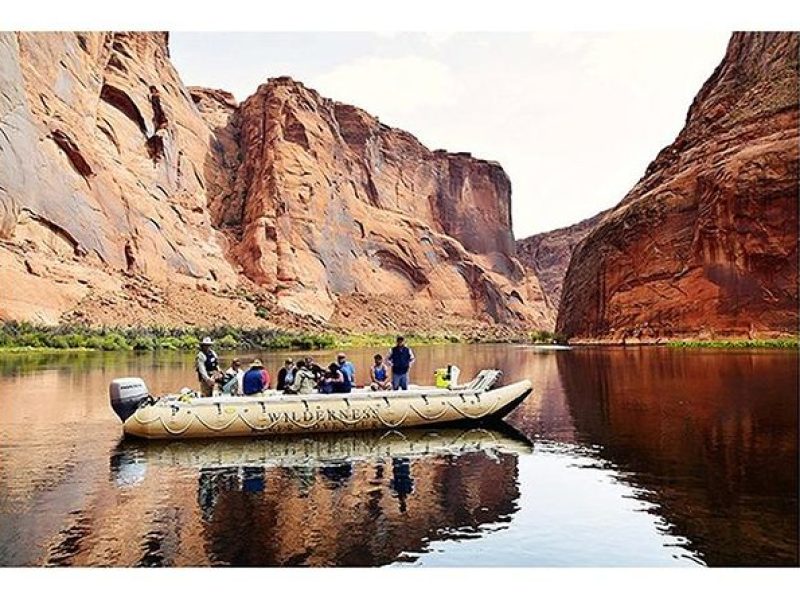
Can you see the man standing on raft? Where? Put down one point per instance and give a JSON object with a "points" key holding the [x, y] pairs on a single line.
{"points": [[400, 358], [207, 366]]}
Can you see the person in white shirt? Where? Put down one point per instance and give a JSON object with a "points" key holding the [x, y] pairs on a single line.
{"points": [[234, 385]]}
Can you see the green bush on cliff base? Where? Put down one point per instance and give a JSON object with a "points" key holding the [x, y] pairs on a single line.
{"points": [[787, 342], [15, 335], [21, 336], [540, 336]]}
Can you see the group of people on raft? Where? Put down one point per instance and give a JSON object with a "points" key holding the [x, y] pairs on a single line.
{"points": [[304, 376]]}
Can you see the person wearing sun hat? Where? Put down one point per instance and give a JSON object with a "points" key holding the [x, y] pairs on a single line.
{"points": [[256, 380], [207, 366]]}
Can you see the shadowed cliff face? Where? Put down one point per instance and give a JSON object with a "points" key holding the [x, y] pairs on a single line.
{"points": [[706, 243], [126, 198], [548, 254]]}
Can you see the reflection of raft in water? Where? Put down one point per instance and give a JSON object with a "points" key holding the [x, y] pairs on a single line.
{"points": [[324, 449], [274, 413]]}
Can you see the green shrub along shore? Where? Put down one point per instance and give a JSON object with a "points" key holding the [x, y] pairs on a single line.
{"points": [[767, 343], [26, 337]]}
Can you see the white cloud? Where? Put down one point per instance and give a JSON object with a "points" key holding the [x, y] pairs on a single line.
{"points": [[391, 87], [573, 118], [439, 38]]}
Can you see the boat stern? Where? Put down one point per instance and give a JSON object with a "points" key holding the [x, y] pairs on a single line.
{"points": [[126, 395]]}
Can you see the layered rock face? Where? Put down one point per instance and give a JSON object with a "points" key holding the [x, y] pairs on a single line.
{"points": [[548, 254], [104, 161], [127, 198], [705, 245], [329, 203]]}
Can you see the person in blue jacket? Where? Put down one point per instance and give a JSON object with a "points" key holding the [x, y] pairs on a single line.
{"points": [[336, 381], [346, 366], [256, 380], [400, 358]]}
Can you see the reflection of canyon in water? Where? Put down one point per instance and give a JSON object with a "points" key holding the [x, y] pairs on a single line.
{"points": [[351, 514], [709, 436], [644, 456]]}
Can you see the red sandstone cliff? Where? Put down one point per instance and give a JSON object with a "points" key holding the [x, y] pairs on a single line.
{"points": [[547, 254], [706, 242], [102, 188], [127, 198], [333, 203]]}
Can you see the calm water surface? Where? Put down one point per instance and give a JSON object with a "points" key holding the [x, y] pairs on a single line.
{"points": [[630, 457]]}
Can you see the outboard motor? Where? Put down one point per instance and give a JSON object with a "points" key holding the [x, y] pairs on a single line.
{"points": [[127, 394]]}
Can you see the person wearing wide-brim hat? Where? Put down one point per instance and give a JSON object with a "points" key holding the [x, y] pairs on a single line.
{"points": [[256, 380], [207, 366]]}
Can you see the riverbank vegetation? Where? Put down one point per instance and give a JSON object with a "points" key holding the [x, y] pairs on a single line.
{"points": [[27, 337], [540, 336], [18, 337], [786, 342]]}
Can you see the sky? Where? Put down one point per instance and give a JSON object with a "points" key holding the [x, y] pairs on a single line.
{"points": [[574, 118]]}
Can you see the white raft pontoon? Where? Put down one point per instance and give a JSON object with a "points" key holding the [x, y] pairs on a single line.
{"points": [[274, 413]]}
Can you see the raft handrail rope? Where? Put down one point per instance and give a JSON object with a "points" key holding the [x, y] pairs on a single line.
{"points": [[483, 380], [397, 424], [476, 416], [303, 424], [211, 427], [429, 418]]}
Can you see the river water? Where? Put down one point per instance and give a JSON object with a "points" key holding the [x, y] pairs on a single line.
{"points": [[621, 457]]}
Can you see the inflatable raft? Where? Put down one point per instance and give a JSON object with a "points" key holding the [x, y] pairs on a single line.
{"points": [[274, 413]]}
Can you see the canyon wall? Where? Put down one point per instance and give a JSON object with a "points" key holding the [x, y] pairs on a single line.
{"points": [[329, 204], [127, 198], [705, 244], [103, 159], [547, 255]]}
